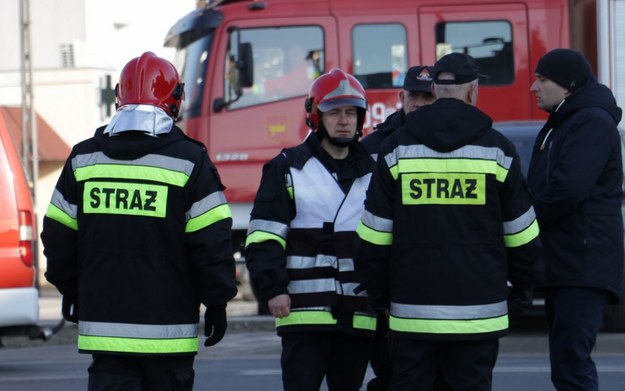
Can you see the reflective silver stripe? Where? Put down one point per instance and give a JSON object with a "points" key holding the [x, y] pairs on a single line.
{"points": [[129, 330], [202, 206], [466, 152], [299, 262], [273, 227], [346, 265], [520, 223], [348, 289], [60, 202], [376, 223], [391, 158], [312, 286], [449, 311], [151, 160]]}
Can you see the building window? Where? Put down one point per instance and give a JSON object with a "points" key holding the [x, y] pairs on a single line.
{"points": [[67, 56]]}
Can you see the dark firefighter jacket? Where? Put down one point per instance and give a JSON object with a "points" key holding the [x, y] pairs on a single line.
{"points": [[139, 230], [575, 177], [302, 233], [447, 222], [373, 141]]}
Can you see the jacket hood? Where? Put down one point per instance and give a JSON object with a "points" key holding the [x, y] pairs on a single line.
{"points": [[133, 145], [592, 94], [447, 124]]}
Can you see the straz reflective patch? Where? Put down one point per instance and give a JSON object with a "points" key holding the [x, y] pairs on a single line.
{"points": [[125, 199], [443, 189]]}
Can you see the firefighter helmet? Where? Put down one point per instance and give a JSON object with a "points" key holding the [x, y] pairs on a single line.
{"points": [[334, 89], [150, 80]]}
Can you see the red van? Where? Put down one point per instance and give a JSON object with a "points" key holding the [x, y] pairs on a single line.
{"points": [[19, 297]]}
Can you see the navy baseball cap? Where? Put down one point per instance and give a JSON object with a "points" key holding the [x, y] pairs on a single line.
{"points": [[418, 79], [461, 65]]}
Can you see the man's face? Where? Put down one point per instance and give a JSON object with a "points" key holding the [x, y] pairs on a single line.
{"points": [[412, 100], [341, 122], [548, 93]]}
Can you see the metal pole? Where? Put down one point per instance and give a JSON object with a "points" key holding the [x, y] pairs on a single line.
{"points": [[30, 156]]}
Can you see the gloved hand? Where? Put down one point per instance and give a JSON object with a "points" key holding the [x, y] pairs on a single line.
{"points": [[69, 308], [215, 324], [519, 300]]}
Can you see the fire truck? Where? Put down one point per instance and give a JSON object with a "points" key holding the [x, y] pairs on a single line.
{"points": [[247, 65]]}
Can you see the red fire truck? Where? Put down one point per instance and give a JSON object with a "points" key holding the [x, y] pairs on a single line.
{"points": [[247, 64]]}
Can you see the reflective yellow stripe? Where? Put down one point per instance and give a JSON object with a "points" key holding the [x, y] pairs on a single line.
{"points": [[57, 214], [452, 165], [119, 171], [306, 317], [445, 326], [212, 216], [373, 236], [365, 322], [137, 345], [260, 237], [523, 237]]}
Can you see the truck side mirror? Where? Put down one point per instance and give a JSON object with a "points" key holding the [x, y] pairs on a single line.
{"points": [[245, 65]]}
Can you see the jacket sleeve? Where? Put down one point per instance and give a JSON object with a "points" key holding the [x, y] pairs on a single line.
{"points": [[521, 232], [208, 234], [60, 234], [586, 147], [267, 233], [375, 235]]}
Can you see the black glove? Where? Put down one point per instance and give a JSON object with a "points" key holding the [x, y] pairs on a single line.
{"points": [[69, 308], [215, 324], [519, 300]]}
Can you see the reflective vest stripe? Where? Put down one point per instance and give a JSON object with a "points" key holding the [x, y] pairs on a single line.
{"points": [[61, 216], [447, 326], [212, 216], [138, 338], [264, 230], [453, 312], [131, 172], [302, 317], [451, 165], [137, 345], [373, 236], [364, 322], [523, 237], [167, 163]]}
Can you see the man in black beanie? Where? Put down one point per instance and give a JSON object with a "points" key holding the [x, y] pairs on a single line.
{"points": [[575, 177]]}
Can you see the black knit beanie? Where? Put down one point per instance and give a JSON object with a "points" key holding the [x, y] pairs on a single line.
{"points": [[565, 67]]}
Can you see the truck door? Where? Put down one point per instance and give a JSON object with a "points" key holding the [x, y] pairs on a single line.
{"points": [[259, 120], [377, 49], [496, 36]]}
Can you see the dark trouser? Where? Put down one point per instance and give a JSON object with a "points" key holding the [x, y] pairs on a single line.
{"points": [[380, 358], [574, 317], [442, 365], [128, 373], [308, 357]]}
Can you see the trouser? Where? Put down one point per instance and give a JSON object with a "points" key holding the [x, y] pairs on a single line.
{"points": [[574, 317], [380, 358], [133, 373], [309, 356], [442, 365]]}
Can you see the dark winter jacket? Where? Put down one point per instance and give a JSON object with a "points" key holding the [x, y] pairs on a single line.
{"points": [[575, 177], [448, 221], [372, 141], [139, 232]]}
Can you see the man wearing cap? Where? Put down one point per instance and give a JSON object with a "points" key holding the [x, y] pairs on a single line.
{"points": [[417, 92], [575, 177], [447, 222]]}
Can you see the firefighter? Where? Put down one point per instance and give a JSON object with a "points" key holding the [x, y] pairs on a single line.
{"points": [[137, 235], [447, 223], [300, 242], [416, 92]]}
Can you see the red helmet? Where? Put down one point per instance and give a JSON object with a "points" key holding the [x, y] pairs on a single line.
{"points": [[150, 80], [336, 88]]}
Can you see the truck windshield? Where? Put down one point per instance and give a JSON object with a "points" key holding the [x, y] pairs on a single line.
{"points": [[192, 62]]}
